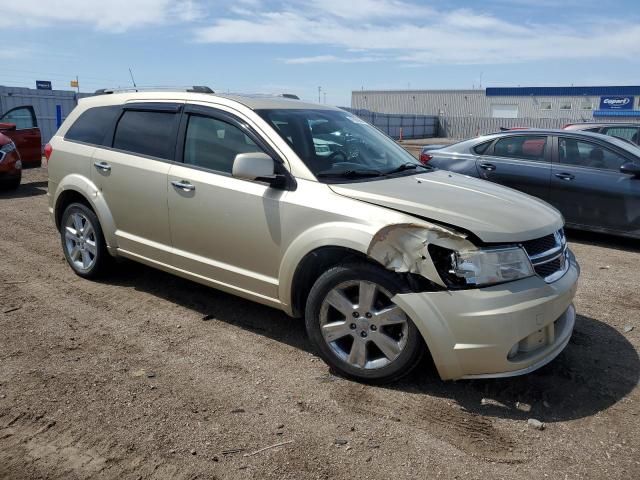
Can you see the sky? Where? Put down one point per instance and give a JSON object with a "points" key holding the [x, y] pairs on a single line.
{"points": [[275, 46]]}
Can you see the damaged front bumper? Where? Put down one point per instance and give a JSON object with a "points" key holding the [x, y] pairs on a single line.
{"points": [[502, 330]]}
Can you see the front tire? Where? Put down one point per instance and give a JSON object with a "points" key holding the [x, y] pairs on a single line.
{"points": [[356, 327], [83, 242]]}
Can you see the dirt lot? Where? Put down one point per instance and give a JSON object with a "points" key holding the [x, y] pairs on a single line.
{"points": [[146, 375]]}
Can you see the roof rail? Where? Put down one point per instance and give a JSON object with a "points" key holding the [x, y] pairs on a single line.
{"points": [[192, 89]]}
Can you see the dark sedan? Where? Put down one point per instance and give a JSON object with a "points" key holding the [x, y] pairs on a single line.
{"points": [[593, 179]]}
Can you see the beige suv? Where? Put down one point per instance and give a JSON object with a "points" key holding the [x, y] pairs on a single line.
{"points": [[308, 209]]}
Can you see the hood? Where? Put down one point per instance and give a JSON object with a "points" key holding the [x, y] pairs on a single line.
{"points": [[494, 213]]}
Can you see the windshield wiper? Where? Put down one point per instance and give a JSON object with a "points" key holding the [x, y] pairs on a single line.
{"points": [[409, 166], [349, 173]]}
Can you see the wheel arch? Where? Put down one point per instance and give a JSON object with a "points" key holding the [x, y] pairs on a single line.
{"points": [[76, 188]]}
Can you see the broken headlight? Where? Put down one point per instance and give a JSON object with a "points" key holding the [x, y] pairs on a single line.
{"points": [[482, 267]]}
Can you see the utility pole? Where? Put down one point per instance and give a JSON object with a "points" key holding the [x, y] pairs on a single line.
{"points": [[325, 97], [319, 90]]}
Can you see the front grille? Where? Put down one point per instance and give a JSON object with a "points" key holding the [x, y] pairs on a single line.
{"points": [[549, 268], [548, 255], [539, 245]]}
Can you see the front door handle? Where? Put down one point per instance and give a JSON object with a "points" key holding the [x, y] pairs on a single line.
{"points": [[565, 176], [488, 166], [183, 185], [104, 166]]}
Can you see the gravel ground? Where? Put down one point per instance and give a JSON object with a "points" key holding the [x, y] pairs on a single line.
{"points": [[145, 375]]}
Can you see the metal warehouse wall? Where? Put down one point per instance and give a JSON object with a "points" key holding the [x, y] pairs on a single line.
{"points": [[472, 103], [44, 103]]}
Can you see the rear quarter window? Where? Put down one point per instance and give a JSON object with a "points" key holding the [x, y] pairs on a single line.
{"points": [[482, 148], [93, 125]]}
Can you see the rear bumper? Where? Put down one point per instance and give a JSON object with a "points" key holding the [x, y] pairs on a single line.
{"points": [[499, 331]]}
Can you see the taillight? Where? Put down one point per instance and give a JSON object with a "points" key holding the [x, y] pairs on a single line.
{"points": [[48, 150], [425, 157]]}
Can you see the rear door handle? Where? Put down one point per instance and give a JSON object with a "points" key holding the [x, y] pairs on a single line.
{"points": [[565, 176], [488, 166], [104, 166], [183, 185]]}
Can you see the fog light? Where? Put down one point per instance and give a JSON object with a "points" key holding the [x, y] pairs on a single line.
{"points": [[514, 351], [18, 164]]}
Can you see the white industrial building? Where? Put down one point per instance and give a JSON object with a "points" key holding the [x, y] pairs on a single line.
{"points": [[465, 113]]}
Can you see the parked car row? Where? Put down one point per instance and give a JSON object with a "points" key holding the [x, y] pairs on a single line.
{"points": [[591, 178]]}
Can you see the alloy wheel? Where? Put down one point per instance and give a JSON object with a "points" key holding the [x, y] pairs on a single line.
{"points": [[362, 326]]}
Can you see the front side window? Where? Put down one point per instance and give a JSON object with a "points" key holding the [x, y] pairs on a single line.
{"points": [[587, 154], [147, 133], [93, 124], [22, 117], [335, 144], [526, 147], [213, 144]]}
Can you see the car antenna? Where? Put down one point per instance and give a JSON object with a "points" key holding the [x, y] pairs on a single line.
{"points": [[133, 80]]}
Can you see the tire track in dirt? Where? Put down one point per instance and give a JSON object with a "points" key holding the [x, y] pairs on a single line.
{"points": [[471, 433]]}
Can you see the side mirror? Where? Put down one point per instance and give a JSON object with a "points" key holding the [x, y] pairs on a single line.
{"points": [[7, 127], [252, 166], [630, 168]]}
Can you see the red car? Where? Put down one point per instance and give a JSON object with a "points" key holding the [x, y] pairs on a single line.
{"points": [[10, 164], [21, 125]]}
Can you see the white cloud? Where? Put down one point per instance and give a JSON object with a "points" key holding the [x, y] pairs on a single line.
{"points": [[108, 15], [332, 59], [459, 36]]}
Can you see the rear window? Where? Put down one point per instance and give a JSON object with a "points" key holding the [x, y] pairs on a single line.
{"points": [[147, 133], [93, 124]]}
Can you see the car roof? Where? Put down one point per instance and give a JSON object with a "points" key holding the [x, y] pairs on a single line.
{"points": [[462, 145], [547, 131], [253, 102]]}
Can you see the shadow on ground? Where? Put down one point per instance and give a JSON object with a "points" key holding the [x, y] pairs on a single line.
{"points": [[604, 240], [31, 189], [597, 369]]}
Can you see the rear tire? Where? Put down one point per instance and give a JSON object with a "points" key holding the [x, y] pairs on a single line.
{"points": [[357, 329], [83, 242]]}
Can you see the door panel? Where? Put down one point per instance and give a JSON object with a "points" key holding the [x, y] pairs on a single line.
{"points": [[590, 195], [218, 222], [132, 177], [226, 229], [519, 162], [135, 189]]}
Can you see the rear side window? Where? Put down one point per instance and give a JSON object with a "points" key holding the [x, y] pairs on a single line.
{"points": [[521, 146], [147, 133], [93, 124]]}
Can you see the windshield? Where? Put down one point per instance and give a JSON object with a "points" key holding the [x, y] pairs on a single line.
{"points": [[336, 145]]}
